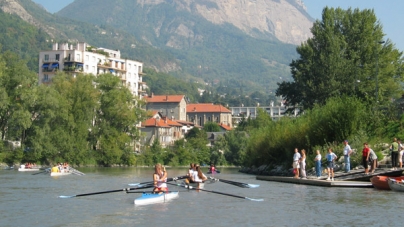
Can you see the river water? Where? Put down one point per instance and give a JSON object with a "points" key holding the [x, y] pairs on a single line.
{"points": [[33, 200]]}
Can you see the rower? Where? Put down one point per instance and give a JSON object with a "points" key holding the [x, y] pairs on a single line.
{"points": [[160, 178], [198, 176], [55, 169], [212, 168], [190, 173]]}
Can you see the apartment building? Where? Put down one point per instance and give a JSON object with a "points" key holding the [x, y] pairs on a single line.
{"points": [[83, 58]]}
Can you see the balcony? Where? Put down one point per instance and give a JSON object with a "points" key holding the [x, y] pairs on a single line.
{"points": [[110, 65], [50, 60]]}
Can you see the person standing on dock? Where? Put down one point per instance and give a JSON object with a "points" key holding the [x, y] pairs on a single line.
{"points": [[347, 153], [400, 154], [296, 159], [372, 157], [317, 160], [303, 164], [331, 157], [365, 157], [394, 154]]}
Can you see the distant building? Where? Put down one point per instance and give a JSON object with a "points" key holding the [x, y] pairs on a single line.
{"points": [[275, 112], [162, 128], [83, 58], [171, 106], [201, 113]]}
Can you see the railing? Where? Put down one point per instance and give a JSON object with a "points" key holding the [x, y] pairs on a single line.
{"points": [[48, 70], [50, 60]]}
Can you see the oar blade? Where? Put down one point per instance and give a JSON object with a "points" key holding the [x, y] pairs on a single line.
{"points": [[253, 185], [67, 196], [255, 200]]}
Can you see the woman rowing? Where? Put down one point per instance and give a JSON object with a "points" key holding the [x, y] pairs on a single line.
{"points": [[191, 171], [160, 178], [198, 176]]}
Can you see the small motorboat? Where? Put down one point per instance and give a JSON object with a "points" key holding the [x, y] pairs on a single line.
{"points": [[396, 185], [153, 198], [381, 182]]}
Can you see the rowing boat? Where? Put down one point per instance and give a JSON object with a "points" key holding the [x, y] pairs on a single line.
{"points": [[23, 169], [381, 182], [396, 185], [63, 173], [150, 198]]}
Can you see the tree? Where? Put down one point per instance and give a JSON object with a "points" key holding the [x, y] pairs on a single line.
{"points": [[344, 56], [211, 127]]}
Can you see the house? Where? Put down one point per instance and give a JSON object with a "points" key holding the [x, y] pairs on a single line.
{"points": [[162, 128], [83, 58], [171, 106], [201, 113]]}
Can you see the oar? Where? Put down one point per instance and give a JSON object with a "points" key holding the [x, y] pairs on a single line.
{"points": [[39, 172], [216, 192], [104, 192], [168, 180], [75, 171], [239, 184]]}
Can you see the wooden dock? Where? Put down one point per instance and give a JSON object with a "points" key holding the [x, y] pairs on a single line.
{"points": [[353, 179]]}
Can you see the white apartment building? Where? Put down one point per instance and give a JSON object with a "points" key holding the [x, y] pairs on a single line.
{"points": [[84, 58]]}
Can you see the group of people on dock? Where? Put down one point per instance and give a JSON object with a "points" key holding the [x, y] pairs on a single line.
{"points": [[369, 158]]}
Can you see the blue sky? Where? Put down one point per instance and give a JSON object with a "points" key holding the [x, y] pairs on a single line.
{"points": [[389, 12]]}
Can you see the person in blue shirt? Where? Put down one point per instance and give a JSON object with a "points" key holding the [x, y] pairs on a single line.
{"points": [[331, 157]]}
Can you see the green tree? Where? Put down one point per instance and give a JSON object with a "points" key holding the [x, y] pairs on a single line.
{"points": [[211, 127], [345, 49]]}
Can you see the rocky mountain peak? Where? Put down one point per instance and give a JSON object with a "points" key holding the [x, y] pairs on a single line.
{"points": [[287, 20]]}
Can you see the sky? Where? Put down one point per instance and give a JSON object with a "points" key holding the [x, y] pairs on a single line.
{"points": [[389, 13]]}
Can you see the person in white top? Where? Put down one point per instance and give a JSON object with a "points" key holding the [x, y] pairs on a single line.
{"points": [[400, 154], [160, 178], [198, 176], [317, 160], [190, 173], [303, 164], [296, 166], [347, 153]]}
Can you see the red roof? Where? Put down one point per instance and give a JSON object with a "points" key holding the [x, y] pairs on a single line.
{"points": [[206, 108], [226, 127], [164, 98], [162, 123]]}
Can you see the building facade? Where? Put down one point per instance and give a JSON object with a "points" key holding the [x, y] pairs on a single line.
{"points": [[275, 112], [83, 58], [208, 112], [171, 106]]}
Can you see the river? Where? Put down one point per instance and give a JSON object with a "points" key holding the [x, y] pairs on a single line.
{"points": [[33, 200]]}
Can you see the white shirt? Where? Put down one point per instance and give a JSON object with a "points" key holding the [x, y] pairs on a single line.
{"points": [[195, 177], [296, 157], [347, 148], [318, 157]]}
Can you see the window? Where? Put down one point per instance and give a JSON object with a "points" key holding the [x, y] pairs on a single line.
{"points": [[87, 58], [93, 58], [87, 68], [140, 69], [78, 57], [45, 78], [57, 57], [46, 57], [93, 68], [129, 66]]}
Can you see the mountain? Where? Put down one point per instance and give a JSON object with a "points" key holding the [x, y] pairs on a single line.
{"points": [[243, 43]]}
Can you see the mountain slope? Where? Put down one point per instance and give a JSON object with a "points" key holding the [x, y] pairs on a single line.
{"points": [[205, 37], [61, 29]]}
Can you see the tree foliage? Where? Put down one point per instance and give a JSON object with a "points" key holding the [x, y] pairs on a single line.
{"points": [[344, 56]]}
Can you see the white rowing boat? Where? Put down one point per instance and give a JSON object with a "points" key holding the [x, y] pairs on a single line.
{"points": [[63, 173], [24, 169], [396, 185], [150, 198]]}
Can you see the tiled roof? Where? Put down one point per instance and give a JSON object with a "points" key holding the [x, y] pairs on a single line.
{"points": [[164, 98], [225, 127], [161, 122], [206, 108]]}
